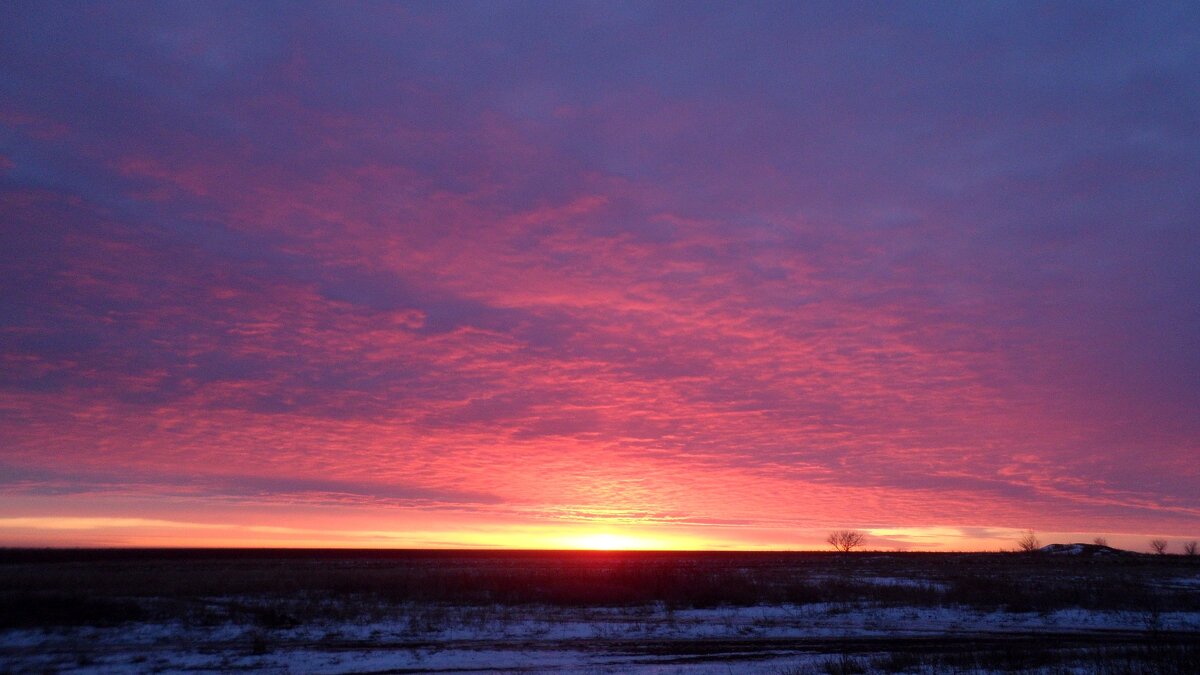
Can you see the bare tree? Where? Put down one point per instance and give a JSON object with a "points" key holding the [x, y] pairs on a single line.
{"points": [[1159, 545], [1100, 541], [1190, 547], [846, 540], [1028, 542]]}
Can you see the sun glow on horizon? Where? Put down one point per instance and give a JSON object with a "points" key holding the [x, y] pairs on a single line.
{"points": [[611, 540], [114, 530], [607, 541]]}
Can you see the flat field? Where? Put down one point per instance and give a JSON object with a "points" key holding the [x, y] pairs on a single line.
{"points": [[596, 612]]}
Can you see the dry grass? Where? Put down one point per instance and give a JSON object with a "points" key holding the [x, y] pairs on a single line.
{"points": [[98, 587]]}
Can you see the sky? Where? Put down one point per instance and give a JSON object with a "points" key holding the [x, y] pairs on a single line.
{"points": [[599, 274]]}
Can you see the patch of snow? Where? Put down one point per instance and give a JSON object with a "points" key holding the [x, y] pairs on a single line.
{"points": [[1063, 549], [902, 581]]}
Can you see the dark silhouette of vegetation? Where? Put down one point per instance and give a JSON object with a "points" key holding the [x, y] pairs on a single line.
{"points": [[1159, 546], [280, 592], [1100, 541], [1028, 542], [846, 540], [1190, 548]]}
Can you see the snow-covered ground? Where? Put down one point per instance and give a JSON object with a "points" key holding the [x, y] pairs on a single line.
{"points": [[652, 639], [656, 612]]}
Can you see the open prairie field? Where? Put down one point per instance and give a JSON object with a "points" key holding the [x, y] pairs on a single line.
{"points": [[1082, 610]]}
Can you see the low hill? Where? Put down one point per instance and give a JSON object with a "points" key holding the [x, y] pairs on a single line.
{"points": [[1085, 550]]}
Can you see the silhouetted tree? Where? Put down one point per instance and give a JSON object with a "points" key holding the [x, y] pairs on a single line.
{"points": [[846, 540], [1190, 548], [1100, 541], [1028, 542], [1159, 545]]}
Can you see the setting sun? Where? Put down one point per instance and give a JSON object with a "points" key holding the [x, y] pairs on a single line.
{"points": [[608, 541]]}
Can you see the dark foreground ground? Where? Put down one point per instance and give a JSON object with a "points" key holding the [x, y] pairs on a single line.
{"points": [[1084, 610]]}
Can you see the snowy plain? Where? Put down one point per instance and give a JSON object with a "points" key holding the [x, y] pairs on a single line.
{"points": [[864, 613], [532, 639]]}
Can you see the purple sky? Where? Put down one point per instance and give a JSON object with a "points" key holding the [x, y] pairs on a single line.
{"points": [[518, 273]]}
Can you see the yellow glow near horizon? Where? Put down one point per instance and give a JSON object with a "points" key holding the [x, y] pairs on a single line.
{"points": [[607, 541], [114, 530], [118, 531]]}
